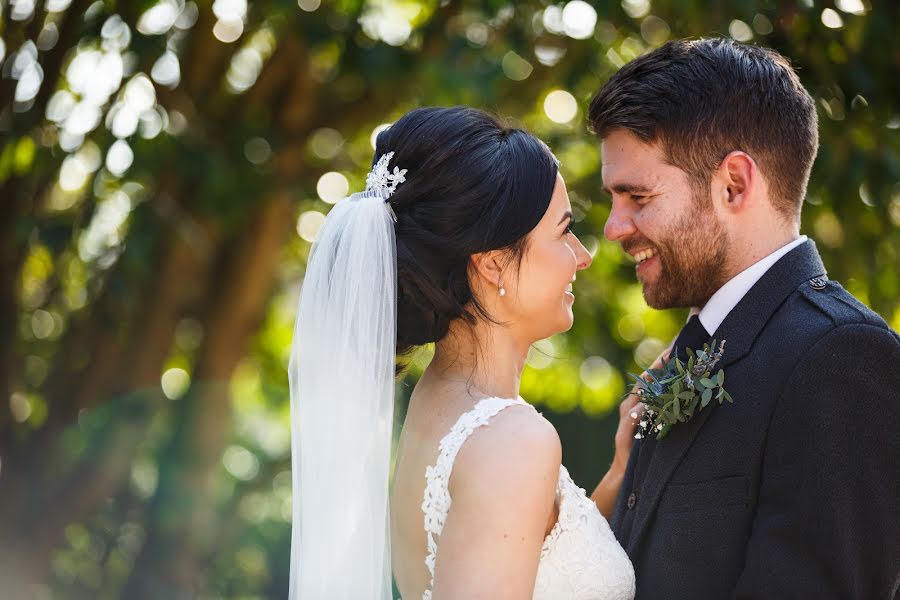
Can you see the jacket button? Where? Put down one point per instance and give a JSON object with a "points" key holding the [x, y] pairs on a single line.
{"points": [[818, 283], [632, 500]]}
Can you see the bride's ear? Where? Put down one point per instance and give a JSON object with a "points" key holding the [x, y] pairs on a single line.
{"points": [[487, 270]]}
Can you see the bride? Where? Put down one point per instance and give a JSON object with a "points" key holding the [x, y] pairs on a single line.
{"points": [[462, 238]]}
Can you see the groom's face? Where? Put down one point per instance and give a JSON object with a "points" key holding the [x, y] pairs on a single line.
{"points": [[667, 225]]}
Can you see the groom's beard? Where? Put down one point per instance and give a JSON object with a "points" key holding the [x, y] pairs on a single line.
{"points": [[692, 255]]}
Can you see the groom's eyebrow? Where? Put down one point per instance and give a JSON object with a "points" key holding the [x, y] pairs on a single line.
{"points": [[567, 215], [627, 188]]}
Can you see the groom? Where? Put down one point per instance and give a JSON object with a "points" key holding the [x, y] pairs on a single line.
{"points": [[792, 491]]}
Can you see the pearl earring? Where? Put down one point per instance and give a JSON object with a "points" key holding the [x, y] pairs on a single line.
{"points": [[502, 290]]}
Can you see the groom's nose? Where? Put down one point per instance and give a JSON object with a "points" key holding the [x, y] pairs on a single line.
{"points": [[620, 223]]}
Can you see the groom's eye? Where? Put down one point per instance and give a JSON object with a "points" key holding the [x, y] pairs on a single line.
{"points": [[638, 198]]}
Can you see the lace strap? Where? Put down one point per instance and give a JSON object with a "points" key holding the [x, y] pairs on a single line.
{"points": [[436, 503]]}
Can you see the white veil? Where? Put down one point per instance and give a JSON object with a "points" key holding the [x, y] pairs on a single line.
{"points": [[341, 376]]}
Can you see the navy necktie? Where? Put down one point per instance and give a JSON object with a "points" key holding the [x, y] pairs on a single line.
{"points": [[692, 336]]}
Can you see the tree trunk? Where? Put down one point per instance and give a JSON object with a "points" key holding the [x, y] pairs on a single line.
{"points": [[181, 521]]}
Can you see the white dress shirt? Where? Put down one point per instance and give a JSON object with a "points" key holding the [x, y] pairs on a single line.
{"points": [[726, 298]]}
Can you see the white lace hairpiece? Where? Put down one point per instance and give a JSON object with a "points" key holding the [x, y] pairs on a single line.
{"points": [[381, 181]]}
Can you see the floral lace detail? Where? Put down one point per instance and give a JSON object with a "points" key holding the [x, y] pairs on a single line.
{"points": [[580, 557], [436, 504]]}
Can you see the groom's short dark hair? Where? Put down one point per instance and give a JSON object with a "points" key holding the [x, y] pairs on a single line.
{"points": [[702, 99]]}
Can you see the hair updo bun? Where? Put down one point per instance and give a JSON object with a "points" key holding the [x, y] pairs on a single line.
{"points": [[472, 185]]}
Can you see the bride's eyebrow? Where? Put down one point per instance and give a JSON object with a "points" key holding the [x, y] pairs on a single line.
{"points": [[566, 215]]}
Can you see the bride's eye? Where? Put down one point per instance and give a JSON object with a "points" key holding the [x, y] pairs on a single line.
{"points": [[568, 230]]}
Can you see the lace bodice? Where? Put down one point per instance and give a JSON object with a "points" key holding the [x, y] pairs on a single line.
{"points": [[580, 558]]}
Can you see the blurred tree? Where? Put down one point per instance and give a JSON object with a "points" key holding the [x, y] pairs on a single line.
{"points": [[157, 158]]}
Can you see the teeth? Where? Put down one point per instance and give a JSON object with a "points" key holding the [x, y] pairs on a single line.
{"points": [[644, 255]]}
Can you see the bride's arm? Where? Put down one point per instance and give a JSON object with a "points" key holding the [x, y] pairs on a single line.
{"points": [[503, 487], [604, 495]]}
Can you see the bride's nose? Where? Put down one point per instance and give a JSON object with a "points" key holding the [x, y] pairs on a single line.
{"points": [[582, 256]]}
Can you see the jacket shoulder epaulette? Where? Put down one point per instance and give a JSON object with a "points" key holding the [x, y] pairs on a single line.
{"points": [[839, 305]]}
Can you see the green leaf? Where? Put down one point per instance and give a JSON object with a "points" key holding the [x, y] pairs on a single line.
{"points": [[686, 395], [707, 382], [707, 396], [720, 376], [664, 432]]}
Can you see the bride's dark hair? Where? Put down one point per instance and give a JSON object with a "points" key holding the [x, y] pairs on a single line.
{"points": [[472, 185]]}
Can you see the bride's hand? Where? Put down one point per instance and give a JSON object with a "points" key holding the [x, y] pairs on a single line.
{"points": [[630, 412]]}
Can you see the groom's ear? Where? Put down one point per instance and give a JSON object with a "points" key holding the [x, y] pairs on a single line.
{"points": [[738, 180]]}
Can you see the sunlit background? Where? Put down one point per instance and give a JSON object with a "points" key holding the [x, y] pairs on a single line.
{"points": [[164, 168]]}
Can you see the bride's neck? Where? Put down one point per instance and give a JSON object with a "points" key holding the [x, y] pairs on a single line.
{"points": [[486, 357]]}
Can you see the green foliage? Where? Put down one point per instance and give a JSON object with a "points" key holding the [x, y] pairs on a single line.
{"points": [[675, 392]]}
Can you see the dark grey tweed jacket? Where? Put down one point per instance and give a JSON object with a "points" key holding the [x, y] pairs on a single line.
{"points": [[793, 491]]}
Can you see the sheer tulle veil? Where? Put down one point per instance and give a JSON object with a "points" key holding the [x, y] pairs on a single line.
{"points": [[341, 375]]}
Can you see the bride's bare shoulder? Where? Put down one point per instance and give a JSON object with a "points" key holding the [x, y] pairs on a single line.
{"points": [[517, 449]]}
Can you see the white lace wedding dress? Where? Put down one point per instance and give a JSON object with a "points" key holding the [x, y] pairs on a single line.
{"points": [[580, 558]]}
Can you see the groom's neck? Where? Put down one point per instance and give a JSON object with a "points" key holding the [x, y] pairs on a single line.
{"points": [[752, 244]]}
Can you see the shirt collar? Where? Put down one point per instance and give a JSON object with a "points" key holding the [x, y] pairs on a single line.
{"points": [[726, 298]]}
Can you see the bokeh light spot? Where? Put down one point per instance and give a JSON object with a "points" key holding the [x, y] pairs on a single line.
{"points": [[119, 158], [831, 19], [636, 9], [240, 462], [332, 186], [326, 143], [257, 150], [654, 30], [579, 19], [175, 382], [373, 139], [560, 106], [228, 31], [309, 224], [515, 67], [853, 7], [740, 31]]}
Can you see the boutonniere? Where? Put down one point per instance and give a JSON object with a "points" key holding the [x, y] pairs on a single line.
{"points": [[676, 391]]}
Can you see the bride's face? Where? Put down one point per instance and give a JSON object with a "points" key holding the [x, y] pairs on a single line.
{"points": [[539, 297]]}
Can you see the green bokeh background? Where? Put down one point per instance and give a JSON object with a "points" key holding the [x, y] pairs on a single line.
{"points": [[164, 166]]}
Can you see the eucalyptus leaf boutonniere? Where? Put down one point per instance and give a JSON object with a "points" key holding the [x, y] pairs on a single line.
{"points": [[676, 391]]}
